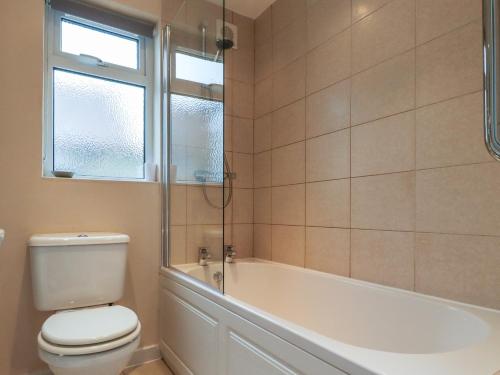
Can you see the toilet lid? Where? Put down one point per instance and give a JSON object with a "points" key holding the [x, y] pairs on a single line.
{"points": [[89, 326]]}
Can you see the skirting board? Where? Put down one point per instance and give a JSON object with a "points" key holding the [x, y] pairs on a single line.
{"points": [[140, 356]]}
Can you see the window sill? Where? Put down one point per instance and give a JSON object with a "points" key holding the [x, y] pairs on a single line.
{"points": [[103, 179]]}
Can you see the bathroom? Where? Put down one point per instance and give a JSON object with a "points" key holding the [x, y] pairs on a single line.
{"points": [[243, 187]]}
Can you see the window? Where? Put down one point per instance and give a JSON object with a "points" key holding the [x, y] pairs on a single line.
{"points": [[98, 99], [197, 69]]}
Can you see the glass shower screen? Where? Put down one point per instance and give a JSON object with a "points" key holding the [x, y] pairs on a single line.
{"points": [[196, 191]]}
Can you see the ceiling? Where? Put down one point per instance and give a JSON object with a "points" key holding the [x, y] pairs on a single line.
{"points": [[249, 8]]}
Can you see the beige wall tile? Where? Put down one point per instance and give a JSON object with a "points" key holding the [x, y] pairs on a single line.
{"points": [[450, 65], [262, 241], [289, 124], [262, 169], [329, 109], [451, 133], [459, 199], [362, 8], [288, 244], [328, 250], [325, 18], [262, 133], [383, 257], [288, 205], [243, 64], [263, 97], [243, 167], [383, 34], [289, 83], [328, 156], [328, 204], [210, 236], [435, 18], [288, 164], [242, 135], [263, 61], [243, 206], [228, 210], [263, 28], [242, 99], [243, 240], [384, 202], [178, 204], [463, 268], [228, 97], [262, 205], [228, 234], [245, 30], [384, 90], [177, 247], [384, 146], [198, 210], [289, 44], [228, 133], [286, 11], [329, 63]]}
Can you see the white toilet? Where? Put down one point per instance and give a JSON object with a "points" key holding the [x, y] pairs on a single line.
{"points": [[80, 275]]}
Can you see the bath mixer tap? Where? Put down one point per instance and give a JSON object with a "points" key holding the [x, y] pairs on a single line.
{"points": [[229, 253], [203, 256]]}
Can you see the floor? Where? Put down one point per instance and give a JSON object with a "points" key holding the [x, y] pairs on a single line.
{"points": [[151, 368]]}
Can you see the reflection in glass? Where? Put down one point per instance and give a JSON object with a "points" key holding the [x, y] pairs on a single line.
{"points": [[98, 126]]}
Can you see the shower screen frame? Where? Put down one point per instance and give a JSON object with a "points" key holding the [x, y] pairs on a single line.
{"points": [[165, 119], [491, 65]]}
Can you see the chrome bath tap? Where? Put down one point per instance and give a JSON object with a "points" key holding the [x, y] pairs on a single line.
{"points": [[203, 256], [229, 253]]}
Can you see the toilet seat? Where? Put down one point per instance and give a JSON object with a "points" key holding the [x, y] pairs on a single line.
{"points": [[88, 331]]}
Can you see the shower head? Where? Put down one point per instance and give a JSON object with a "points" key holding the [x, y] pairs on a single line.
{"points": [[224, 44]]}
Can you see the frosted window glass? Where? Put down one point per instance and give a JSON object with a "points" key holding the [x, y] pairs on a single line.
{"points": [[197, 69], [197, 138], [98, 126], [78, 39]]}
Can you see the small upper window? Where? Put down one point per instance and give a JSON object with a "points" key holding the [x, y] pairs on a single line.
{"points": [[113, 48], [98, 99], [197, 69]]}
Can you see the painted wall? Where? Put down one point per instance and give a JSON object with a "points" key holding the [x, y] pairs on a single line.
{"points": [[369, 160], [32, 204]]}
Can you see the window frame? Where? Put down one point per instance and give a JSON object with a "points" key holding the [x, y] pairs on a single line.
{"points": [[55, 58]]}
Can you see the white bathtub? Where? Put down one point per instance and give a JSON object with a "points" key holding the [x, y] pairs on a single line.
{"points": [[320, 324]]}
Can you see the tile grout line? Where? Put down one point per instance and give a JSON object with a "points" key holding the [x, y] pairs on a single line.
{"points": [[414, 47], [368, 123]]}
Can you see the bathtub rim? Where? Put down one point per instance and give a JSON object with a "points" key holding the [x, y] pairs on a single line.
{"points": [[281, 328], [310, 341]]}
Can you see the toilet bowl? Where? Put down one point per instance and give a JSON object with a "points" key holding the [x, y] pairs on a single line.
{"points": [[97, 341], [81, 275]]}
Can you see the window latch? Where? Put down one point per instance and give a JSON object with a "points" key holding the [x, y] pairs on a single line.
{"points": [[93, 59]]}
